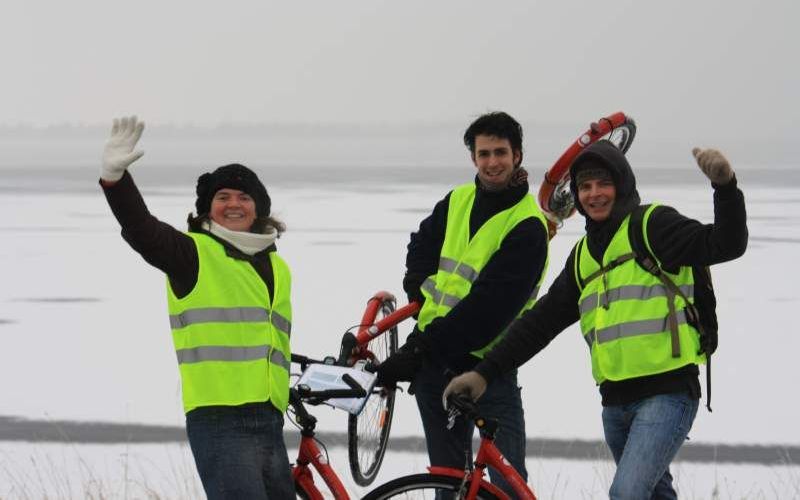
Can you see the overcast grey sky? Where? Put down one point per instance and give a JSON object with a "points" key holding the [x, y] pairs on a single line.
{"points": [[718, 70]]}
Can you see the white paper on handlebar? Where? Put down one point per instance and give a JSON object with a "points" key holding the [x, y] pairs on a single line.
{"points": [[320, 377]]}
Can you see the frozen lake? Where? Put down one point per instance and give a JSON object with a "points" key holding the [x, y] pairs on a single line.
{"points": [[85, 335]]}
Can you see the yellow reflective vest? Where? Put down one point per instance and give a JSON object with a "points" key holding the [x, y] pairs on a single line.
{"points": [[462, 259], [231, 338], [625, 313]]}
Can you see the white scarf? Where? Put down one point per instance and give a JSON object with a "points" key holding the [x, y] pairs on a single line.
{"points": [[245, 241]]}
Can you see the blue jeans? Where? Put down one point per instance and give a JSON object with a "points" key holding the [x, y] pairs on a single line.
{"points": [[239, 451], [644, 437], [452, 448]]}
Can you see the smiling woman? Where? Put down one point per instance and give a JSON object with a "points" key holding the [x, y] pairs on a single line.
{"points": [[228, 294], [233, 209]]}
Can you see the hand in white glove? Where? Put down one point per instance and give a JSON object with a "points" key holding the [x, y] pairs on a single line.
{"points": [[470, 383], [118, 153], [714, 165]]}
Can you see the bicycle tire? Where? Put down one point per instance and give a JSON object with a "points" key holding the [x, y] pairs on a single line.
{"points": [[554, 195], [368, 432], [422, 486]]}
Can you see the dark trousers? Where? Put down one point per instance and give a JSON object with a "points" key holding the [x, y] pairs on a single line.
{"points": [[452, 448], [239, 451]]}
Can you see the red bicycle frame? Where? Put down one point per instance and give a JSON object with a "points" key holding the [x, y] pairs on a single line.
{"points": [[309, 453], [368, 329], [488, 454], [354, 347]]}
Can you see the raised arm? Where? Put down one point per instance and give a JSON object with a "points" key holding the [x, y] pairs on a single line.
{"points": [[161, 245], [680, 241]]}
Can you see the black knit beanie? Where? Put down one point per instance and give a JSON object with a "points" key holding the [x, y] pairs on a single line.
{"points": [[591, 170], [233, 176]]}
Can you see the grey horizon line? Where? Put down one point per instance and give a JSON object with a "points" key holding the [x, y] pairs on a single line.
{"points": [[38, 431]]}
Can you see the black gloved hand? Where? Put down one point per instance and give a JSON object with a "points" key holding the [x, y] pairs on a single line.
{"points": [[403, 365]]}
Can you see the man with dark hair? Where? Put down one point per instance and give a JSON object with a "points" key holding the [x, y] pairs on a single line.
{"points": [[474, 264], [644, 339]]}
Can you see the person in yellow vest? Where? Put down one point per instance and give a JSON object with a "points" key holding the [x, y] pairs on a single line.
{"points": [[228, 295], [644, 346], [475, 264]]}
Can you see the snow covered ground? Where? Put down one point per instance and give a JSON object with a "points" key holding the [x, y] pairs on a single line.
{"points": [[85, 335]]}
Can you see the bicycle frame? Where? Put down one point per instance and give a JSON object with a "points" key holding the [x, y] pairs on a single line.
{"points": [[309, 453], [488, 454], [354, 347], [369, 329]]}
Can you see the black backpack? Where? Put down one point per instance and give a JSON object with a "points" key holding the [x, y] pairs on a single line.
{"points": [[702, 314]]}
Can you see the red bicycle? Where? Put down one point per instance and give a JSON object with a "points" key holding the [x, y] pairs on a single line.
{"points": [[309, 453], [469, 483], [374, 340]]}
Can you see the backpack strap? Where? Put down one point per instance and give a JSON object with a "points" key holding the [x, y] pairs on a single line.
{"points": [[649, 262], [602, 272]]}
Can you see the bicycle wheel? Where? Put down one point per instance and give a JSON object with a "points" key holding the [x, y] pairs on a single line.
{"points": [[368, 432], [424, 486], [622, 136], [554, 196]]}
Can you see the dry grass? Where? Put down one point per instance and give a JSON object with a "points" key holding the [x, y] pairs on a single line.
{"points": [[97, 472]]}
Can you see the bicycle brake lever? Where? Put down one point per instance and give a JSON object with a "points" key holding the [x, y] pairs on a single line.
{"points": [[452, 414]]}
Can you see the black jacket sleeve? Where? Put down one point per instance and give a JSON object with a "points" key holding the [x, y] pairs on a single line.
{"points": [[677, 240], [552, 314], [424, 248], [161, 245]]}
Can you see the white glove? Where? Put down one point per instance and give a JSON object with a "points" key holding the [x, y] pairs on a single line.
{"points": [[714, 165], [118, 153], [470, 383]]}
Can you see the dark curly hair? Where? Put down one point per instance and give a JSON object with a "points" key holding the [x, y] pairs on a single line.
{"points": [[497, 124]]}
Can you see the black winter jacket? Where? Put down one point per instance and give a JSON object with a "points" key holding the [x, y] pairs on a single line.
{"points": [[497, 295], [675, 240]]}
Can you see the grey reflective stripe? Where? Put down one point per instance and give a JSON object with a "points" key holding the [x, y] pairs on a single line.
{"points": [[281, 323], [430, 286], [228, 353], [633, 328], [222, 353], [463, 270], [277, 358], [438, 297], [534, 294], [218, 315], [630, 292]]}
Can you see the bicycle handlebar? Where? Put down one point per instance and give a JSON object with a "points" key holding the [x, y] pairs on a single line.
{"points": [[355, 391], [305, 392]]}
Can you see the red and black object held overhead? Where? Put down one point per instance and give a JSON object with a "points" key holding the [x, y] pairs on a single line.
{"points": [[554, 196]]}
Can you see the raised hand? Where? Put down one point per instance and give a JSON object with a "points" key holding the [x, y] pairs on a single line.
{"points": [[714, 165], [470, 383], [118, 153]]}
